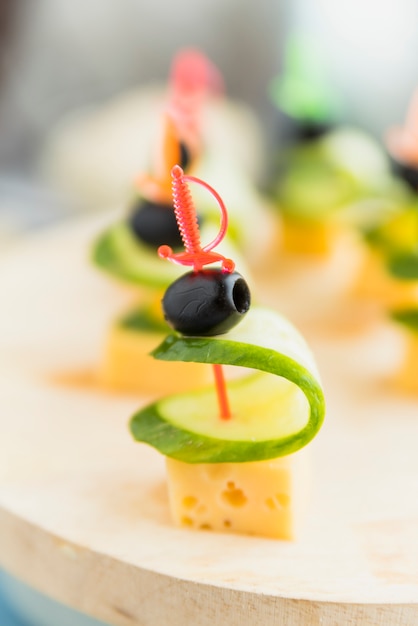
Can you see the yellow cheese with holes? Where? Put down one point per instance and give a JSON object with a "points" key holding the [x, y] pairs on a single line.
{"points": [[263, 498], [127, 365]]}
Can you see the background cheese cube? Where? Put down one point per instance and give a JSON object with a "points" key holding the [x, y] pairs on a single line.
{"points": [[313, 238], [127, 365]]}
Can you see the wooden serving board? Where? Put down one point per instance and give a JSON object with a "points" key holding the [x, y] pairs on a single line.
{"points": [[83, 509]]}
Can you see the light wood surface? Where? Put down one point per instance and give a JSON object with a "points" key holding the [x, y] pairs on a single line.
{"points": [[83, 509]]}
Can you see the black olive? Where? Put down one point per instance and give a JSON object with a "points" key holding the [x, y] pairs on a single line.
{"points": [[208, 302], [185, 156], [294, 131], [154, 223], [408, 173], [310, 131]]}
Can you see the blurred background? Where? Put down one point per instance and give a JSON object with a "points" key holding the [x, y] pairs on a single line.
{"points": [[59, 56]]}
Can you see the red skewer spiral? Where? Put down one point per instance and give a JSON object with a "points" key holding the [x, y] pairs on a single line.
{"points": [[185, 212], [188, 225]]}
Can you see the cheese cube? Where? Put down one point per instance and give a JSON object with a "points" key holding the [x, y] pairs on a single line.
{"points": [[127, 365], [264, 498], [374, 283], [407, 376], [304, 237]]}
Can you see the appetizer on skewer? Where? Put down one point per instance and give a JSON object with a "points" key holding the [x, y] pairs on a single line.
{"points": [[233, 462]]}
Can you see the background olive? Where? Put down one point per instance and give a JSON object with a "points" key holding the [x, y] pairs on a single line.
{"points": [[154, 223], [408, 173], [185, 156]]}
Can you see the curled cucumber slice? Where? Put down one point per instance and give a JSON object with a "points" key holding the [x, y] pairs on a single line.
{"points": [[277, 406]]}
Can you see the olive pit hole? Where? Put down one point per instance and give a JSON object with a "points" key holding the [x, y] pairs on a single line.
{"points": [[241, 296]]}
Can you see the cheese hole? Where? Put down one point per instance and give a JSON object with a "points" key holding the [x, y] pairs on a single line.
{"points": [[271, 504], [227, 523], [280, 500], [205, 527], [186, 521], [234, 496], [283, 499], [189, 502]]}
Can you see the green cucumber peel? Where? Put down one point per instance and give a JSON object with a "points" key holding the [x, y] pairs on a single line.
{"points": [[406, 317], [120, 254], [311, 187], [142, 320], [404, 265], [150, 425]]}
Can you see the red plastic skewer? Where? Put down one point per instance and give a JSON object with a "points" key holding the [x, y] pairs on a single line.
{"points": [[221, 392], [197, 256]]}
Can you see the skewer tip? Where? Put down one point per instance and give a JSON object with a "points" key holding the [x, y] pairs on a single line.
{"points": [[176, 172]]}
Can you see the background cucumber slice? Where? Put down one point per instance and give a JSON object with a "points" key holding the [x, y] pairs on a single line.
{"points": [[142, 319], [275, 411], [119, 253], [408, 317], [404, 266]]}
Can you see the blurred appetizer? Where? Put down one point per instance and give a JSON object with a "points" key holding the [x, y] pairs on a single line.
{"points": [[402, 144], [323, 187], [389, 272], [307, 104], [387, 280], [390, 281], [327, 175], [396, 262]]}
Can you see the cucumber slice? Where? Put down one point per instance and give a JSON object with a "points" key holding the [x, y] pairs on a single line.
{"points": [[119, 253], [275, 411], [313, 193], [142, 319]]}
